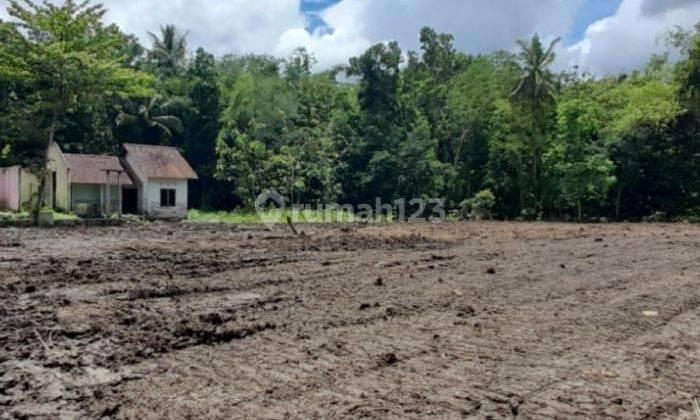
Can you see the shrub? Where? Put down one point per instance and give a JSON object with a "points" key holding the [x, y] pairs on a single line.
{"points": [[480, 206]]}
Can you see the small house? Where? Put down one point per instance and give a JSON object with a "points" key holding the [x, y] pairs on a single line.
{"points": [[161, 175]]}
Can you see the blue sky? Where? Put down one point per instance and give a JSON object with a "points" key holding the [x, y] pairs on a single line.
{"points": [[589, 12], [312, 8], [316, 5]]}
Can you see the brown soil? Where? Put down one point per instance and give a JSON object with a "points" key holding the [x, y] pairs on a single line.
{"points": [[450, 320]]}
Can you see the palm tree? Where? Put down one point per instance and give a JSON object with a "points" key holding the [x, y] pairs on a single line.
{"points": [[537, 84], [142, 124], [537, 88], [169, 51]]}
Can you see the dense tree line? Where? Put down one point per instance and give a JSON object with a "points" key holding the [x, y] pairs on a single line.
{"points": [[392, 124]]}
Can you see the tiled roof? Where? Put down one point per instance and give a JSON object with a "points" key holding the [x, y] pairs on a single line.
{"points": [[158, 161], [92, 169]]}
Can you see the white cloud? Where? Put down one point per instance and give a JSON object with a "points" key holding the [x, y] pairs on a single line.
{"points": [[278, 26], [232, 26], [223, 26], [478, 26], [625, 41], [620, 42], [346, 39]]}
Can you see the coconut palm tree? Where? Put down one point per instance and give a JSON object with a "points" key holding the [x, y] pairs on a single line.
{"points": [[148, 121], [537, 84], [536, 89], [169, 51]]}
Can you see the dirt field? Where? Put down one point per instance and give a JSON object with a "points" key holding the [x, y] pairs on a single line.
{"points": [[451, 320]]}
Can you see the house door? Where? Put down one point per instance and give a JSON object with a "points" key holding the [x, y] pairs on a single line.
{"points": [[129, 200]]}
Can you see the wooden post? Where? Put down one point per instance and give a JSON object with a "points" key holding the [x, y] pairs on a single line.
{"points": [[144, 198], [109, 204], [119, 193], [69, 193]]}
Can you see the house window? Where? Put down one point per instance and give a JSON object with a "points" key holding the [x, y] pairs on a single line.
{"points": [[167, 197]]}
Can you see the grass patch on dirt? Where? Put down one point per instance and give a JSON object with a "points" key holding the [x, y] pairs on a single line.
{"points": [[24, 215], [9, 215], [250, 217]]}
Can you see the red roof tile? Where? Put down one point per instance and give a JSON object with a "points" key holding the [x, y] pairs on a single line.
{"points": [[92, 169], [158, 161]]}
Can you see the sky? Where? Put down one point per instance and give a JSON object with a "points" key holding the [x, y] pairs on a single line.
{"points": [[601, 36]]}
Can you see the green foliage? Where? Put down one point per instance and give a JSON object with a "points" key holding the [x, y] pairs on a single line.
{"points": [[576, 163], [471, 111], [688, 70], [60, 65], [62, 68], [643, 101], [148, 121], [480, 206], [74, 65], [581, 172], [420, 172], [276, 133]]}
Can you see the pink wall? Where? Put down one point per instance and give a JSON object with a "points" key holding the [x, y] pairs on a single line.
{"points": [[9, 188]]}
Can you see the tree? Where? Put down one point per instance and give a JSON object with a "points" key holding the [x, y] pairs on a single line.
{"points": [[378, 69], [471, 104], [536, 92], [507, 167], [201, 128], [70, 58], [537, 84], [149, 121], [426, 84], [687, 42], [577, 163], [168, 54], [285, 118], [420, 173], [240, 161], [310, 138], [383, 124], [254, 123], [297, 68]]}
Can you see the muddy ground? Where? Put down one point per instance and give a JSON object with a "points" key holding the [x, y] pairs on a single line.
{"points": [[455, 320]]}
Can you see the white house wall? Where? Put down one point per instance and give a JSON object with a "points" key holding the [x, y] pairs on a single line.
{"points": [[59, 165], [152, 193]]}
